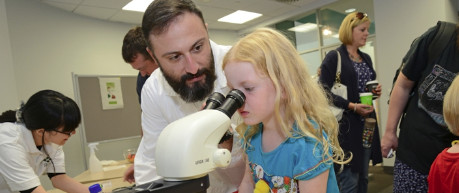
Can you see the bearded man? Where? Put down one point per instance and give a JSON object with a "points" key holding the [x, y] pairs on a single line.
{"points": [[190, 70]]}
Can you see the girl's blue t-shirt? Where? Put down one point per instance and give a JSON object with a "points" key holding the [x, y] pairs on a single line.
{"points": [[291, 161]]}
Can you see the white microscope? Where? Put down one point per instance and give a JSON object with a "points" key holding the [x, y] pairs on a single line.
{"points": [[187, 149]]}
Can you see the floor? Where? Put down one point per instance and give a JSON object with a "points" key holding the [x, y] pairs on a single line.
{"points": [[380, 179]]}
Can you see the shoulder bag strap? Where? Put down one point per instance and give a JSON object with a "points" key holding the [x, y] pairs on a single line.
{"points": [[338, 68]]}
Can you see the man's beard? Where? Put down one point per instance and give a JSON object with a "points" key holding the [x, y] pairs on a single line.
{"points": [[197, 91]]}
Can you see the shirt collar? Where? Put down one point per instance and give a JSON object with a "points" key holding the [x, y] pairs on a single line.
{"points": [[29, 140], [30, 143]]}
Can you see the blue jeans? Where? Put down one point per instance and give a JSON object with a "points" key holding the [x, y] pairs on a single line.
{"points": [[355, 182]]}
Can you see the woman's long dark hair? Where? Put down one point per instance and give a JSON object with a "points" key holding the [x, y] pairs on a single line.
{"points": [[8, 116], [46, 109]]}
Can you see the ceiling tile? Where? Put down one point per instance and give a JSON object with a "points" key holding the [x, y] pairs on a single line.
{"points": [[114, 4], [272, 10], [97, 12], [62, 5], [214, 13], [64, 1], [131, 17]]}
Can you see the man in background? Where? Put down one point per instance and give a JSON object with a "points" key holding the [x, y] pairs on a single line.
{"points": [[135, 53]]}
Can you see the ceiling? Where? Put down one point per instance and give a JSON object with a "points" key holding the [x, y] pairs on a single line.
{"points": [[272, 10]]}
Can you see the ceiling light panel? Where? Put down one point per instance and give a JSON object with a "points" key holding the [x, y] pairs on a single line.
{"points": [[137, 5], [239, 17]]}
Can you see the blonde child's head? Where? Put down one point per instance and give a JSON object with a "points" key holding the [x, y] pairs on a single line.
{"points": [[451, 107], [298, 98]]}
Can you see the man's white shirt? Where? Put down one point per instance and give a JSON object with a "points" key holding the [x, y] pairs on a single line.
{"points": [[161, 105]]}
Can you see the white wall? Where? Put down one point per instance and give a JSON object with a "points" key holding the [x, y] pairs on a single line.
{"points": [[8, 94], [40, 47], [398, 24]]}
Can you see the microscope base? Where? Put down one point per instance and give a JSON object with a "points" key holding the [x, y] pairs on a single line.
{"points": [[198, 185]]}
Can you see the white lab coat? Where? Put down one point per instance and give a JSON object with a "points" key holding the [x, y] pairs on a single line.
{"points": [[20, 160]]}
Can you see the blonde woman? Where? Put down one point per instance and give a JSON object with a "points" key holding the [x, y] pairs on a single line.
{"points": [[289, 134], [356, 71]]}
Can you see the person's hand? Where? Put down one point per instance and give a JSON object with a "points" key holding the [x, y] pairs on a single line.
{"points": [[377, 91], [389, 141], [129, 175], [227, 144], [363, 109], [203, 105]]}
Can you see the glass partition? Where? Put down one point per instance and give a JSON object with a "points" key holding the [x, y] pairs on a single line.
{"points": [[315, 31], [330, 21], [312, 60]]}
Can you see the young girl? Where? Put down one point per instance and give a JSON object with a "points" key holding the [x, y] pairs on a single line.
{"points": [[31, 140], [444, 172], [289, 133]]}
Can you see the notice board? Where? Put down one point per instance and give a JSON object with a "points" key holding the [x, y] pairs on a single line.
{"points": [[102, 125]]}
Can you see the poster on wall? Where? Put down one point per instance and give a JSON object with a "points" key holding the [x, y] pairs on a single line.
{"points": [[110, 91]]}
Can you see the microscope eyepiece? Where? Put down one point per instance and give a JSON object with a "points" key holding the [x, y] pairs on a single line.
{"points": [[234, 100], [215, 100]]}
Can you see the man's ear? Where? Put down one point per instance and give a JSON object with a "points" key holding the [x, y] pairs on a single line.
{"points": [[152, 55], [149, 52], [40, 131]]}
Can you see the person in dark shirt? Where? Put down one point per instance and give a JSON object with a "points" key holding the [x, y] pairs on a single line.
{"points": [[135, 53], [417, 99]]}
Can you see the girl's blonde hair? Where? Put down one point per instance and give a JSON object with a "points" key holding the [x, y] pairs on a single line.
{"points": [[451, 107], [302, 99], [348, 24]]}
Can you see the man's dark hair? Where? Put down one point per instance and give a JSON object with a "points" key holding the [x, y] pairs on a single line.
{"points": [[133, 43], [161, 13]]}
